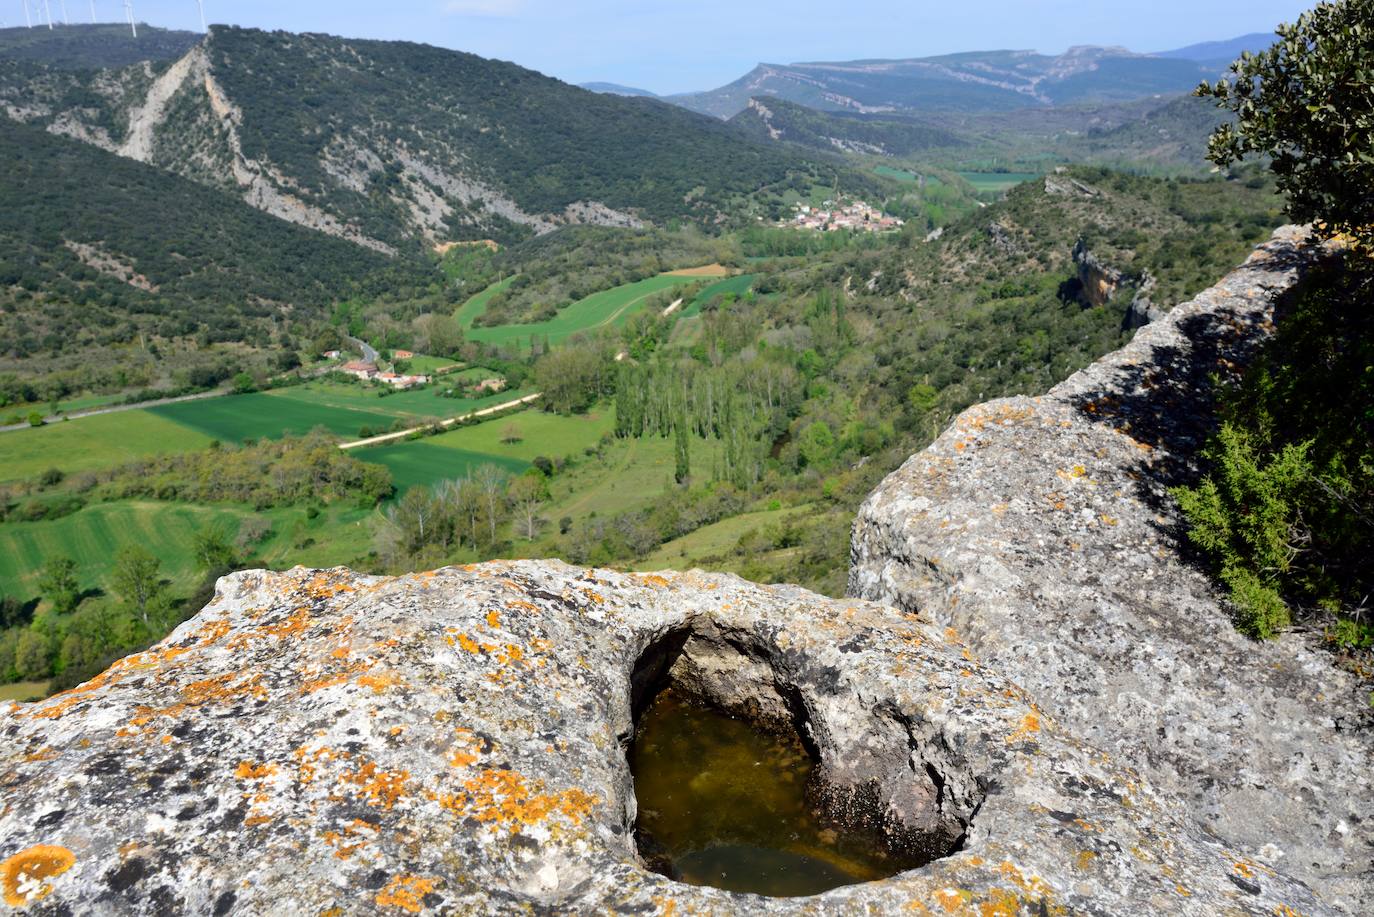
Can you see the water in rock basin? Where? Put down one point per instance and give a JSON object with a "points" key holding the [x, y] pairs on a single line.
{"points": [[723, 804]]}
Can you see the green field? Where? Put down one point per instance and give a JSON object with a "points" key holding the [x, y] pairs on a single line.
{"points": [[609, 308], [467, 313], [738, 285], [23, 691], [996, 182], [238, 417], [93, 536], [421, 364], [342, 534], [421, 463], [450, 455], [693, 549], [92, 443], [900, 175], [415, 405]]}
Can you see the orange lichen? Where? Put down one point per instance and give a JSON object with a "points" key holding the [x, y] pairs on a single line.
{"points": [[951, 899], [406, 892], [465, 750], [213, 631], [379, 683], [249, 771], [1030, 724], [24, 877], [381, 788], [307, 761], [493, 618], [505, 799]]}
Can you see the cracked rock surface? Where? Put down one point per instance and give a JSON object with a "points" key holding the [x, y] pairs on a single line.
{"points": [[1043, 532], [453, 742]]}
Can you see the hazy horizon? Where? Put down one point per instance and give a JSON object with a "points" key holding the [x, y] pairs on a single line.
{"points": [[713, 43]]}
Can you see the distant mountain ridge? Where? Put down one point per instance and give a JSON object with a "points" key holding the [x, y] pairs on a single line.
{"points": [[616, 89], [94, 46], [397, 146], [1222, 52], [970, 82]]}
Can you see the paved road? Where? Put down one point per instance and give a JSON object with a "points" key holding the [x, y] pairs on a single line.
{"points": [[485, 412], [117, 408], [369, 355]]}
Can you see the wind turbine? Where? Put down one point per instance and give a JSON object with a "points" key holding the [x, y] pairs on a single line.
{"points": [[129, 13], [47, 10], [201, 4], [28, 17]]}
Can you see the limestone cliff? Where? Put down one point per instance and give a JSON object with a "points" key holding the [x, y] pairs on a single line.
{"points": [[1042, 531]]}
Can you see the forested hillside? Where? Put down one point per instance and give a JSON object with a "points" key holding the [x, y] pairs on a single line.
{"points": [[398, 145], [1166, 135], [842, 363], [98, 253]]}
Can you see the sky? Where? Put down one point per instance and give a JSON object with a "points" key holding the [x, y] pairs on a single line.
{"points": [[684, 46]]}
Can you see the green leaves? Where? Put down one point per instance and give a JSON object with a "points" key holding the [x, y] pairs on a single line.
{"points": [[1305, 96]]}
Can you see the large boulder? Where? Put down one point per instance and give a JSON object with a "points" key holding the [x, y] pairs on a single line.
{"points": [[1043, 532], [322, 742]]}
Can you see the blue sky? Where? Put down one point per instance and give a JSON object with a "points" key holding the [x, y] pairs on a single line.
{"points": [[682, 46]]}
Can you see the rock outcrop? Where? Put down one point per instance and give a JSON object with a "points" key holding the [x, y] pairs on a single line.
{"points": [[1042, 531], [453, 742]]}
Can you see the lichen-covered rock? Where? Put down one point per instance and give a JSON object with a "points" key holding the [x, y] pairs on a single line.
{"points": [[321, 742], [1043, 532]]}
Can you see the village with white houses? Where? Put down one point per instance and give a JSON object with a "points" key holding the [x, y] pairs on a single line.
{"points": [[831, 216], [369, 372]]}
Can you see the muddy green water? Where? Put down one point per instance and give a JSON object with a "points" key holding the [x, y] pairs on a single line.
{"points": [[724, 805]]}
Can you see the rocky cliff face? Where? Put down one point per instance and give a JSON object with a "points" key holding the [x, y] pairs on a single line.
{"points": [[1042, 531], [324, 742]]}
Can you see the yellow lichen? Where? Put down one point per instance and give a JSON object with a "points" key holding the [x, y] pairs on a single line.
{"points": [[25, 876]]}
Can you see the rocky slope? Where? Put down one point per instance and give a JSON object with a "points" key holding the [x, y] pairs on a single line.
{"points": [[324, 742], [1042, 531]]}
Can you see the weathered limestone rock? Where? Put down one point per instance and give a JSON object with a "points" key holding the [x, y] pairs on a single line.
{"points": [[1042, 531], [325, 742]]}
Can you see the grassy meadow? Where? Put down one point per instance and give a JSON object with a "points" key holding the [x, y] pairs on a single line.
{"points": [[996, 182], [93, 443], [93, 536], [608, 308], [453, 454], [900, 175]]}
